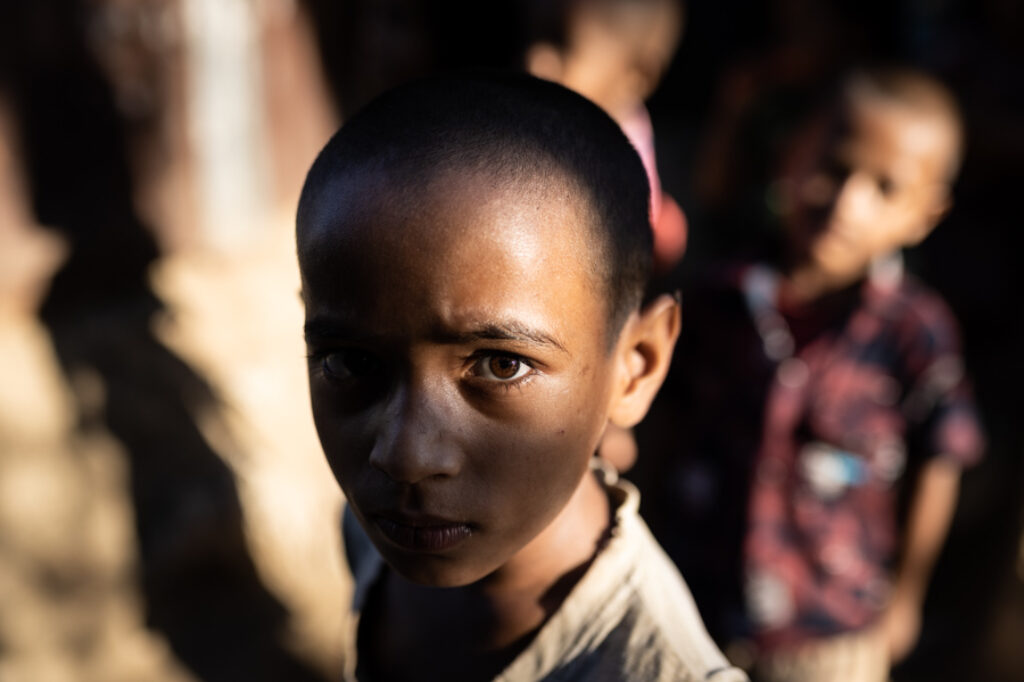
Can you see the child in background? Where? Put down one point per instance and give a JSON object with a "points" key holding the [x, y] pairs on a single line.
{"points": [[614, 53], [474, 253], [818, 391]]}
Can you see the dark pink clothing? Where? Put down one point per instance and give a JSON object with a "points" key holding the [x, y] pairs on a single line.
{"points": [[667, 218]]}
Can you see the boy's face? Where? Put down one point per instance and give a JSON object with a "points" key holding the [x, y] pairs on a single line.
{"points": [[862, 189], [459, 367], [616, 56]]}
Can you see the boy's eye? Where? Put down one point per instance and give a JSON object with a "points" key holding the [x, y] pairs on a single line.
{"points": [[504, 368], [819, 190], [350, 364], [885, 185]]}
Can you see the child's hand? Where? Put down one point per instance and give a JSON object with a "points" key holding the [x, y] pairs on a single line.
{"points": [[902, 626]]}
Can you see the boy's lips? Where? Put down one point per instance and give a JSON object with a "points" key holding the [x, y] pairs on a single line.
{"points": [[422, 533]]}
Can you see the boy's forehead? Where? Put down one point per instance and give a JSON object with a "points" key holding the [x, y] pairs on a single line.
{"points": [[902, 133], [391, 207], [383, 221]]}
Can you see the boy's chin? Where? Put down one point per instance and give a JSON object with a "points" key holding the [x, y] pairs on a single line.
{"points": [[434, 571], [837, 264]]}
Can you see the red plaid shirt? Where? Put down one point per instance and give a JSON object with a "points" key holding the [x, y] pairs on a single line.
{"points": [[813, 416]]}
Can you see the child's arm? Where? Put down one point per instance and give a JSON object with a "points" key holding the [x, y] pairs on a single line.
{"points": [[930, 514]]}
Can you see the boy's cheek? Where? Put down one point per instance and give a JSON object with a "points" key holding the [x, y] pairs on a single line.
{"points": [[540, 403], [564, 416], [343, 437]]}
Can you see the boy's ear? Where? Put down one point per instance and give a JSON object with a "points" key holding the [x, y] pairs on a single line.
{"points": [[643, 356], [940, 201], [544, 60]]}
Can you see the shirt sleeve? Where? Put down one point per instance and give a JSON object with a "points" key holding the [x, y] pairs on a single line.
{"points": [[939, 403]]}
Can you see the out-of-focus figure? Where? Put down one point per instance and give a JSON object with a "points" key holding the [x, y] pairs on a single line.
{"points": [[814, 394], [614, 52]]}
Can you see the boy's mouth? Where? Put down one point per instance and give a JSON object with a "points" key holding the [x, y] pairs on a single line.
{"points": [[422, 533]]}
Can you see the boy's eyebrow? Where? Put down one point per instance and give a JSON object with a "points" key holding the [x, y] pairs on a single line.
{"points": [[509, 331], [326, 327]]}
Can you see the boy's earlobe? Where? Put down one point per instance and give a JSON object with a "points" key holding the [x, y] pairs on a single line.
{"points": [[645, 354]]}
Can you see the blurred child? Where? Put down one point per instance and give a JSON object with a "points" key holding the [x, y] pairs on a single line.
{"points": [[614, 52], [820, 389], [474, 252]]}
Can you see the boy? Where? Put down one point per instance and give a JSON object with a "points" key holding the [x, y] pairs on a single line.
{"points": [[474, 252], [614, 53], [812, 387]]}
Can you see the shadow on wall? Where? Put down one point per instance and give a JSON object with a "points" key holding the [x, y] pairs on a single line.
{"points": [[197, 578]]}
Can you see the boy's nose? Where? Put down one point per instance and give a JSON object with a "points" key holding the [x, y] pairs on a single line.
{"points": [[414, 443], [853, 196]]}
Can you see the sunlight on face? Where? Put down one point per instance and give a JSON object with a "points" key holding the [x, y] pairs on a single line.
{"points": [[459, 366]]}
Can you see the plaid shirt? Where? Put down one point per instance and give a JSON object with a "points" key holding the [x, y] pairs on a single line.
{"points": [[813, 417]]}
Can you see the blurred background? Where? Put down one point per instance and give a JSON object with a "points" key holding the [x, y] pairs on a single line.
{"points": [[165, 513]]}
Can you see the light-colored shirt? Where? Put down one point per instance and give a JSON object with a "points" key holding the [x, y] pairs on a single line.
{"points": [[630, 617]]}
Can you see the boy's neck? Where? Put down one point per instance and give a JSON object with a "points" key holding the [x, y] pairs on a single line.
{"points": [[492, 620], [807, 283]]}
